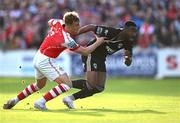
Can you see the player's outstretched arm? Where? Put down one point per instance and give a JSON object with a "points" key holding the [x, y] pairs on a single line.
{"points": [[100, 31], [87, 28], [87, 50]]}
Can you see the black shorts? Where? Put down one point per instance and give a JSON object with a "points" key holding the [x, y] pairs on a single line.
{"points": [[93, 64]]}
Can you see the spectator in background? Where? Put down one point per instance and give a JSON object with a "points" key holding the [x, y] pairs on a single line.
{"points": [[2, 26], [101, 12], [177, 28], [162, 36], [145, 34]]}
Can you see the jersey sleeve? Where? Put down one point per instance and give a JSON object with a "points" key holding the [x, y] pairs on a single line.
{"points": [[108, 32], [69, 42]]}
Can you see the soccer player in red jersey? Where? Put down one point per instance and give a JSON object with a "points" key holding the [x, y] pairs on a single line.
{"points": [[58, 39]]}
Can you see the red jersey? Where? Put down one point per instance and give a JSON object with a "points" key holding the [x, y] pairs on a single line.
{"points": [[57, 40]]}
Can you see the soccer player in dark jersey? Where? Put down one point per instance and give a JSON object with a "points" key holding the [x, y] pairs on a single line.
{"points": [[94, 63]]}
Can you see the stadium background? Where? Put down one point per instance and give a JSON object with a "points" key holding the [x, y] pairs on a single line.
{"points": [[23, 25]]}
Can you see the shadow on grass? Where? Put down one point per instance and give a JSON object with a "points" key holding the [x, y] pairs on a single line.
{"points": [[95, 112]]}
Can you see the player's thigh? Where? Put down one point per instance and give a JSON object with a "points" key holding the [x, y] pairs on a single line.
{"points": [[51, 69], [96, 78], [38, 74], [55, 73]]}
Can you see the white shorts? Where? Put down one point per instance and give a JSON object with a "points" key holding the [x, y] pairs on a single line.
{"points": [[46, 67]]}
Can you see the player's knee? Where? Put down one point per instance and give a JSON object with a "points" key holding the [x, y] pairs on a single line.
{"points": [[63, 79], [41, 83], [99, 89]]}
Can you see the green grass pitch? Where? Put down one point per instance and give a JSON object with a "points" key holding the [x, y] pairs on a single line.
{"points": [[125, 100]]}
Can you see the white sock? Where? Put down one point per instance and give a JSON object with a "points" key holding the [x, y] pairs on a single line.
{"points": [[16, 100], [42, 100]]}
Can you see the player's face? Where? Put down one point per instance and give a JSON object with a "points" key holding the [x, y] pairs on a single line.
{"points": [[74, 28]]}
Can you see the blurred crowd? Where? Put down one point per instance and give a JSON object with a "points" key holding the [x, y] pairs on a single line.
{"points": [[23, 23]]}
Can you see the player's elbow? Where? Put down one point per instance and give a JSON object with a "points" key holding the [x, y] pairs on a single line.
{"points": [[92, 27], [98, 89]]}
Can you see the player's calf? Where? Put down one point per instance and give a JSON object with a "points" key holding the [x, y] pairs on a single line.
{"points": [[85, 92]]}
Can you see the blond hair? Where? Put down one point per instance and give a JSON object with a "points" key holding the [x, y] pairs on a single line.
{"points": [[70, 17]]}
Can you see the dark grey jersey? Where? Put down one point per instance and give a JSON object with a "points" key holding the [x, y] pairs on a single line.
{"points": [[116, 43]]}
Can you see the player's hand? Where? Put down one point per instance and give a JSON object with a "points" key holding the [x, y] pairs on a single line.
{"points": [[128, 61], [127, 57], [100, 39]]}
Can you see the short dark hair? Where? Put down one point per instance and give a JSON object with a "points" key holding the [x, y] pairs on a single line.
{"points": [[130, 24], [70, 17]]}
